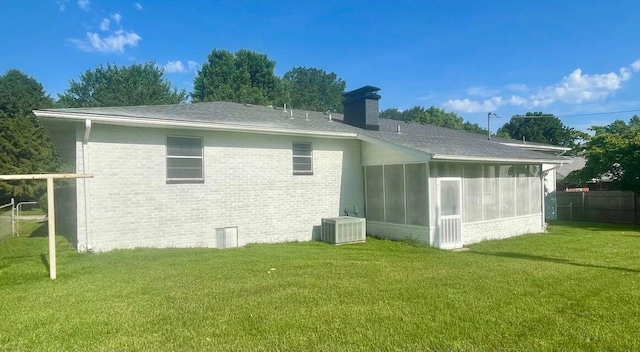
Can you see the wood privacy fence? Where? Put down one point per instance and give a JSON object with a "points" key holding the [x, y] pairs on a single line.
{"points": [[621, 207]]}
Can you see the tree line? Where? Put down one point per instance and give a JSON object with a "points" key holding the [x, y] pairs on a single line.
{"points": [[244, 77]]}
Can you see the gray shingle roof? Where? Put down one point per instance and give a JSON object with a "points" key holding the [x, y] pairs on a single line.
{"points": [[440, 141], [437, 141], [221, 113], [576, 164]]}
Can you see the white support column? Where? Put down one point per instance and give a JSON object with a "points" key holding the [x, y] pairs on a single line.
{"points": [[51, 214]]}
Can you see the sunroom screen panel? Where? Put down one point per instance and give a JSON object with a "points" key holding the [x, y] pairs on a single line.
{"points": [[491, 192], [417, 194], [472, 193], [536, 189], [507, 191], [394, 194], [523, 190], [375, 193]]}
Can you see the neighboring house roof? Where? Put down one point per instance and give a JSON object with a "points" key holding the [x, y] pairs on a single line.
{"points": [[577, 163], [540, 147], [438, 142]]}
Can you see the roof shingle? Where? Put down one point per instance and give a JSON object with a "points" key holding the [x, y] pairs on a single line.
{"points": [[436, 141]]}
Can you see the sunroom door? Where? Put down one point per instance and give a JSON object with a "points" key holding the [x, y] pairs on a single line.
{"points": [[450, 214]]}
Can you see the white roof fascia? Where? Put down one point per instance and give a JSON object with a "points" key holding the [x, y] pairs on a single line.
{"points": [[420, 156], [158, 123], [537, 147], [495, 160]]}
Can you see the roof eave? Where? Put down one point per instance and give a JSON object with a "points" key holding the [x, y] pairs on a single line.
{"points": [[444, 157], [132, 121], [537, 146]]}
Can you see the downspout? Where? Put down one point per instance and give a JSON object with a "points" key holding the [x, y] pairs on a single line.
{"points": [[542, 174], [85, 169]]}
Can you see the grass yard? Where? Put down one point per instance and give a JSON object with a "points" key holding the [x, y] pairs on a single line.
{"points": [[574, 288]]}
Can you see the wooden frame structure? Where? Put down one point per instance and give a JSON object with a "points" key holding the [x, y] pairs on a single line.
{"points": [[51, 211]]}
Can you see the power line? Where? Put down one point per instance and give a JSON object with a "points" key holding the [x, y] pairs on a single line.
{"points": [[600, 113]]}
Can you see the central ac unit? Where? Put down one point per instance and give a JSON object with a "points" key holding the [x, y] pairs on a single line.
{"points": [[343, 229]]}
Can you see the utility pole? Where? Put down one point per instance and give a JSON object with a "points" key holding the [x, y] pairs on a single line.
{"points": [[491, 115]]}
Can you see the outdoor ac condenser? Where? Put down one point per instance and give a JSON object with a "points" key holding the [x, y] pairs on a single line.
{"points": [[343, 229]]}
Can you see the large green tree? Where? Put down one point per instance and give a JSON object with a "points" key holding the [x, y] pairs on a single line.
{"points": [[543, 128], [614, 152], [243, 77], [433, 116], [314, 89], [112, 85], [25, 148]]}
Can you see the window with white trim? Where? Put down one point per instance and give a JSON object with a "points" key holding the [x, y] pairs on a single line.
{"points": [[302, 158], [184, 160]]}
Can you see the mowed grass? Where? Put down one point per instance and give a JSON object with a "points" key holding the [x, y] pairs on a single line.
{"points": [[574, 288]]}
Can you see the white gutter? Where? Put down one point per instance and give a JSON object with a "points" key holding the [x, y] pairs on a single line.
{"points": [[136, 121], [537, 147], [85, 169], [495, 160]]}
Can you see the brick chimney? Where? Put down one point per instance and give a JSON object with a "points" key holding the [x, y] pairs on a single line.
{"points": [[361, 108]]}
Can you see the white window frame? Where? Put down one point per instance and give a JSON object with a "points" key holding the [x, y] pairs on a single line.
{"points": [[168, 157], [294, 155]]}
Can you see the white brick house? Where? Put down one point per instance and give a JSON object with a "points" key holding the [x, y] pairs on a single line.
{"points": [[225, 174]]}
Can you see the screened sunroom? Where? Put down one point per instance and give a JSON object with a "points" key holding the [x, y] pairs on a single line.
{"points": [[449, 204]]}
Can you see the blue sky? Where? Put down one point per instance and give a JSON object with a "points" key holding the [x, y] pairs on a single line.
{"points": [[472, 57]]}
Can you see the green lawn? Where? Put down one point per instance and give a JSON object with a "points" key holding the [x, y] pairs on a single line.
{"points": [[575, 288]]}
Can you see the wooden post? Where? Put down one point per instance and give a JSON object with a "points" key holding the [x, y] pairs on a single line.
{"points": [[51, 214], [51, 210]]}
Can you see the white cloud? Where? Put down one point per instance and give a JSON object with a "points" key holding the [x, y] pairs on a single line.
{"points": [[466, 105], [80, 44], [104, 25], [578, 88], [113, 43], [137, 6], [192, 65], [83, 4], [116, 17], [518, 87], [482, 91], [62, 4], [516, 101], [179, 67], [575, 88]]}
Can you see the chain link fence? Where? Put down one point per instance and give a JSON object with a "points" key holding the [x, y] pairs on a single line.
{"points": [[29, 217], [21, 219], [7, 220]]}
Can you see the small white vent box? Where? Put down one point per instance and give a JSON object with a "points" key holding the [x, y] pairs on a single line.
{"points": [[343, 229]]}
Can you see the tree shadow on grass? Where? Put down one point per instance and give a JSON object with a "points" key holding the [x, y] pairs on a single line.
{"points": [[552, 260], [596, 226], [45, 261], [41, 231]]}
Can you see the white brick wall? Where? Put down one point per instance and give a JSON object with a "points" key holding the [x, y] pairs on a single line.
{"points": [[502, 228], [248, 184]]}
